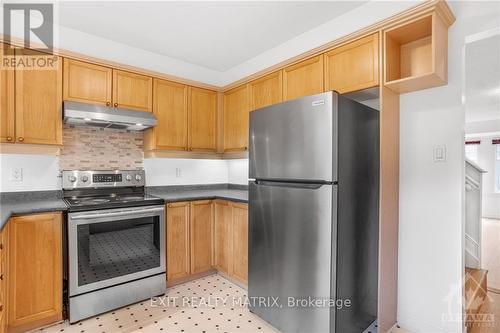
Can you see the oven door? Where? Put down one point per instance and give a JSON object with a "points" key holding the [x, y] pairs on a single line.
{"points": [[114, 246]]}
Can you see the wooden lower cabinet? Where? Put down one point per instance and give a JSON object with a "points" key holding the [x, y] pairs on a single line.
{"points": [[177, 240], [231, 239], [2, 283], [222, 234], [34, 271], [204, 235], [201, 217], [189, 238], [240, 242]]}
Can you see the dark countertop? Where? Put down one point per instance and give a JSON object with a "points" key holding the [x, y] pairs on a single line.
{"points": [[18, 203], [238, 193]]}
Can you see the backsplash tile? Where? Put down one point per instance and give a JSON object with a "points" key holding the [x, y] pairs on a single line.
{"points": [[93, 148]]}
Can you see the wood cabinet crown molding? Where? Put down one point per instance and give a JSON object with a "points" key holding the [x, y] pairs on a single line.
{"points": [[440, 7]]}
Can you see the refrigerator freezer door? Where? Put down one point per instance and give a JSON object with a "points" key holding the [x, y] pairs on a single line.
{"points": [[295, 140], [290, 253]]}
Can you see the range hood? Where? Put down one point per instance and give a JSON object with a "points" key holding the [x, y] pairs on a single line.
{"points": [[107, 117]]}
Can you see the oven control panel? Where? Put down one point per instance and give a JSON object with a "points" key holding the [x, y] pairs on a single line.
{"points": [[73, 179]]}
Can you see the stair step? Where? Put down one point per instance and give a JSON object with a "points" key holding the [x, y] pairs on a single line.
{"points": [[476, 287]]}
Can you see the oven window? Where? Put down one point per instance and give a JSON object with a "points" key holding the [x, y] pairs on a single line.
{"points": [[110, 249]]}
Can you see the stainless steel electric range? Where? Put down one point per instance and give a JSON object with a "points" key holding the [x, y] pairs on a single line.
{"points": [[116, 241]]}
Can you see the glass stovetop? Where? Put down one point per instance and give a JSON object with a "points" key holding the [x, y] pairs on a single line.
{"points": [[110, 201]]}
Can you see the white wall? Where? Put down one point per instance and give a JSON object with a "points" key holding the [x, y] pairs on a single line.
{"points": [[238, 172], [430, 234], [39, 173], [42, 172], [162, 171]]}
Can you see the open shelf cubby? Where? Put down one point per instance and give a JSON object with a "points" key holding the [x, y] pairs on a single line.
{"points": [[416, 54]]}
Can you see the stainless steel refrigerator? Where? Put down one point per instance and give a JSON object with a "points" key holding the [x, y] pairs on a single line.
{"points": [[313, 214]]}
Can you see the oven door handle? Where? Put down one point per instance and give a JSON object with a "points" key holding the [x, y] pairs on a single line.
{"points": [[115, 214]]}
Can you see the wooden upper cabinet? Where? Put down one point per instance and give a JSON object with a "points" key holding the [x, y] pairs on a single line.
{"points": [[236, 119], [201, 219], [177, 240], [170, 106], [266, 90], [353, 66], [132, 91], [7, 112], [202, 119], [87, 83], [39, 105], [240, 242], [34, 274], [304, 78], [90, 83], [223, 236]]}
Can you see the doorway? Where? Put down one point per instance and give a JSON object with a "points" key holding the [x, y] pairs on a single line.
{"points": [[481, 101]]}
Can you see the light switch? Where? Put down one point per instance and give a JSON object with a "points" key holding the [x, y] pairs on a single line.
{"points": [[440, 153], [16, 175]]}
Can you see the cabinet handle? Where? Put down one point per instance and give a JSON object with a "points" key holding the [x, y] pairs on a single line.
{"points": [[9, 138], [1, 308], [1, 277], [246, 148], [108, 103], [116, 105], [21, 139], [1, 246]]}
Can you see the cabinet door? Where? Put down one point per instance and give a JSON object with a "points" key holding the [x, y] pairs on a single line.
{"points": [[240, 242], [202, 215], [236, 119], [177, 240], [39, 105], [202, 119], [7, 124], [223, 236], [132, 91], [353, 66], [3, 276], [303, 79], [170, 109], [34, 273], [87, 83], [266, 91]]}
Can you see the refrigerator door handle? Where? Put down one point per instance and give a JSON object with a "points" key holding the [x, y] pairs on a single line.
{"points": [[312, 186]]}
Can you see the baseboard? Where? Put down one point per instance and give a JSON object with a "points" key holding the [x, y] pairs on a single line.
{"points": [[190, 278], [233, 280], [397, 329]]}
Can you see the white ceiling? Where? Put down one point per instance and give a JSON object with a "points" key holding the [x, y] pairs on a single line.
{"points": [[214, 35], [482, 80]]}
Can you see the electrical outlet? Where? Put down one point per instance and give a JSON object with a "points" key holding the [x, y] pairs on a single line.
{"points": [[16, 175], [178, 172]]}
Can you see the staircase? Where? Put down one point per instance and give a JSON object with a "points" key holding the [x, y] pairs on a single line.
{"points": [[476, 287]]}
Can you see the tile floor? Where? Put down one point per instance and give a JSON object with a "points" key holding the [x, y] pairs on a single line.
{"points": [[491, 251], [174, 314]]}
